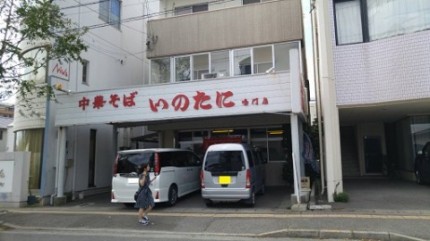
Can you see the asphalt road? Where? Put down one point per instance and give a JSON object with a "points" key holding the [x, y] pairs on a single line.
{"points": [[386, 209], [127, 235]]}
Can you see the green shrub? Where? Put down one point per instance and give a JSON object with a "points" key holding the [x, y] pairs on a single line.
{"points": [[341, 197]]}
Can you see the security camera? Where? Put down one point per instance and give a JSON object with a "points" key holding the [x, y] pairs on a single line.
{"points": [[271, 70]]}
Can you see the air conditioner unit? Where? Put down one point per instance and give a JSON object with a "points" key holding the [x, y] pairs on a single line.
{"points": [[209, 75]]}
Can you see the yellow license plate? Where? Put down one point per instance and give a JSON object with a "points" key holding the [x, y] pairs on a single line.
{"points": [[224, 180]]}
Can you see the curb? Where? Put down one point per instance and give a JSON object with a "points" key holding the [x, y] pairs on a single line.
{"points": [[284, 233], [339, 234]]}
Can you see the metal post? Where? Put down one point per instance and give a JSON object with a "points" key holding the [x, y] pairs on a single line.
{"points": [[62, 161]]}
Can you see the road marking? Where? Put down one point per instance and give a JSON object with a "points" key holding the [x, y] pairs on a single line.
{"points": [[230, 215]]}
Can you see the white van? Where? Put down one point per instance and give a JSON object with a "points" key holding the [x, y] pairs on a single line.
{"points": [[232, 172], [177, 172]]}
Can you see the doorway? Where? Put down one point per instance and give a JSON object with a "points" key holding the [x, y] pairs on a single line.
{"points": [[373, 155], [92, 159]]}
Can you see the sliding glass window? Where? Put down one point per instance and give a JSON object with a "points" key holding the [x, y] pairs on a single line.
{"points": [[263, 60], [220, 64], [182, 69], [200, 66], [160, 71], [242, 62]]}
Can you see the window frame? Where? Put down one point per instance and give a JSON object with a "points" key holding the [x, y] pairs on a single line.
{"points": [[190, 9], [85, 72], [365, 28], [106, 12], [230, 64]]}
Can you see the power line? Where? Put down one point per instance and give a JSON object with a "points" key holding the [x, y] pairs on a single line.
{"points": [[84, 4], [144, 16], [126, 51]]}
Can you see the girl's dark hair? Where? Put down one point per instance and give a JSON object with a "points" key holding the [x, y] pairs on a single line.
{"points": [[142, 167]]}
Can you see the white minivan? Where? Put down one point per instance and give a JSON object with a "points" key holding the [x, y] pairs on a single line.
{"points": [[177, 172], [232, 172]]}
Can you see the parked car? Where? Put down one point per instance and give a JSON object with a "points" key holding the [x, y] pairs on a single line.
{"points": [[177, 172], [422, 165], [232, 172]]}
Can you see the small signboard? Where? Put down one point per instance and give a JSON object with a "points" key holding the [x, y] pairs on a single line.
{"points": [[59, 69], [305, 183]]}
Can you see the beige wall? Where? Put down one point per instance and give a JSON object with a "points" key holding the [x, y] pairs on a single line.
{"points": [[254, 24]]}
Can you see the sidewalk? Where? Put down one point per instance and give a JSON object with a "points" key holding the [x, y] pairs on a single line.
{"points": [[389, 211]]}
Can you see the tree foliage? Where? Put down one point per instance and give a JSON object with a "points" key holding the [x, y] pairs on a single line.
{"points": [[37, 23]]}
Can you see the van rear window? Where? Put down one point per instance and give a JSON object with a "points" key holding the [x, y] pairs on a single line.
{"points": [[129, 163], [224, 161]]}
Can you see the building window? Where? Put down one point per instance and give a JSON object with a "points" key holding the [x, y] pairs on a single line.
{"points": [[191, 9], [348, 22], [250, 1], [220, 66], [182, 69], [160, 71], [263, 59], [282, 53], [364, 20], [242, 62], [200, 66], [391, 18], [110, 12], [85, 69], [269, 140]]}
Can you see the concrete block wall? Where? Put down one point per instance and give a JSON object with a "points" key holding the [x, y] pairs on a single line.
{"points": [[14, 177]]}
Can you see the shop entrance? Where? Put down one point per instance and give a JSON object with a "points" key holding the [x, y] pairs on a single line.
{"points": [[271, 140]]}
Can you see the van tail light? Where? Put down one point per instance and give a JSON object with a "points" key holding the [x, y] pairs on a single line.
{"points": [[157, 164], [248, 178], [157, 195], [112, 195], [115, 165], [202, 177]]}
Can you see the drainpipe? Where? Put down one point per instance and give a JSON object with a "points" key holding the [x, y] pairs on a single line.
{"points": [[328, 101], [318, 94], [61, 161]]}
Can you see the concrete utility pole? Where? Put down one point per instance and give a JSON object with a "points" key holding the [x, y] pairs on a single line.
{"points": [[330, 114]]}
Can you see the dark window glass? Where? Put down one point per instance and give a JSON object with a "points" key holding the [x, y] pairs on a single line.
{"points": [[191, 9], [250, 155], [224, 161], [110, 12], [250, 1], [85, 65], [129, 163]]}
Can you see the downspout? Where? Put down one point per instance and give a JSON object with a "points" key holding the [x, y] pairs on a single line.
{"points": [[57, 158], [316, 61], [61, 162]]}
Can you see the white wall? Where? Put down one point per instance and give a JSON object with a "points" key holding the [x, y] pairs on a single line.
{"points": [[15, 172], [116, 58], [385, 70], [77, 156]]}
